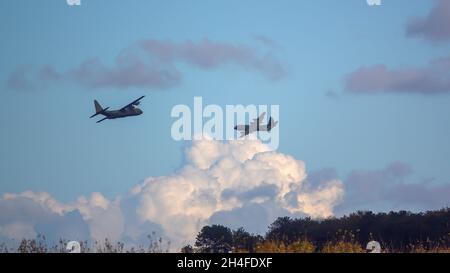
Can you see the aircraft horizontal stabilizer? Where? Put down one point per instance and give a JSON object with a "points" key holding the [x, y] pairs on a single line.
{"points": [[101, 120], [102, 111]]}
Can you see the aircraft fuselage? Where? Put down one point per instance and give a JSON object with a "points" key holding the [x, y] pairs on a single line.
{"points": [[113, 114]]}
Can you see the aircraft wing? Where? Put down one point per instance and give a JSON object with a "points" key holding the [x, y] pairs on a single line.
{"points": [[135, 102], [101, 120], [257, 121]]}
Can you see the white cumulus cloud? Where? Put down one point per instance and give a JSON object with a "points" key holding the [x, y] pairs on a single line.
{"points": [[226, 176], [220, 180]]}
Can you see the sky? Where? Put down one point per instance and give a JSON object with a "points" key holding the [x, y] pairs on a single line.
{"points": [[363, 93]]}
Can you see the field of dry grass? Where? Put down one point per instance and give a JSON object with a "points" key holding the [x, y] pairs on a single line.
{"points": [[40, 245]]}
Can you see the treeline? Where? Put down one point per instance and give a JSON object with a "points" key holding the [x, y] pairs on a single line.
{"points": [[396, 232]]}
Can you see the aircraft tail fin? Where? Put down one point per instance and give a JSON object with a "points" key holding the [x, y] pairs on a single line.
{"points": [[271, 124], [98, 109]]}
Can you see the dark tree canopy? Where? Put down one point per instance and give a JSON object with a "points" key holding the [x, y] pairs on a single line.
{"points": [[396, 231], [215, 238], [243, 240]]}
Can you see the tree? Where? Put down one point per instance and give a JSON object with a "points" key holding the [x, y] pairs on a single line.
{"points": [[394, 230], [187, 249], [214, 239], [244, 241]]}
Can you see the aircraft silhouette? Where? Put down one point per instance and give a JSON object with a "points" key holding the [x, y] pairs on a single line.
{"points": [[256, 125], [126, 111]]}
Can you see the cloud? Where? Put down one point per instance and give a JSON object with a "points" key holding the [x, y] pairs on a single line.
{"points": [[255, 217], [208, 55], [29, 214], [235, 183], [239, 180], [435, 26], [151, 64], [18, 79], [226, 178], [391, 188], [432, 79], [40, 213], [124, 74]]}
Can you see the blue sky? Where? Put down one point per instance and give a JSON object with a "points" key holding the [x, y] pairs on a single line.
{"points": [[49, 144]]}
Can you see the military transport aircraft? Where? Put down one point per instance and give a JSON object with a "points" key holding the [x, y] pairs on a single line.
{"points": [[256, 125], [126, 111]]}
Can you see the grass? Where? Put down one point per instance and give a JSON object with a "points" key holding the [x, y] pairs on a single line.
{"points": [[344, 243]]}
